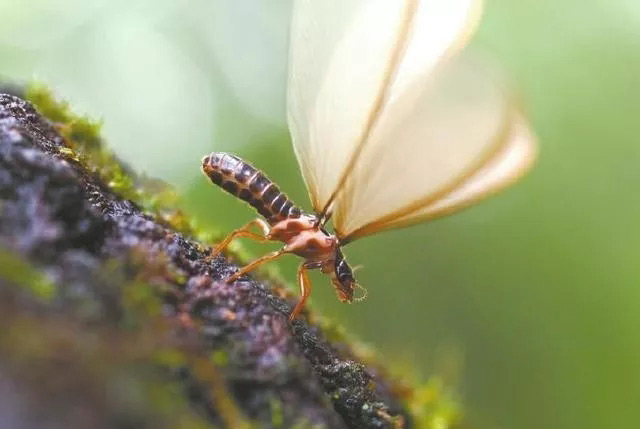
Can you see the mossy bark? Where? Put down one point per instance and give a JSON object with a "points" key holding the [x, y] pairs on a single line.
{"points": [[111, 317]]}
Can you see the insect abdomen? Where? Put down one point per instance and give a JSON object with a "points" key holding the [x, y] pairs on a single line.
{"points": [[242, 180]]}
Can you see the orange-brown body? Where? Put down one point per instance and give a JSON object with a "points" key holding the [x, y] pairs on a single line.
{"points": [[301, 233]]}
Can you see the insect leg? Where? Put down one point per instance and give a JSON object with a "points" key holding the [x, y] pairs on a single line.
{"points": [[243, 232], [305, 287], [268, 257]]}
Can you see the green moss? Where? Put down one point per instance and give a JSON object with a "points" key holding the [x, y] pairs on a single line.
{"points": [[20, 273], [433, 406], [333, 331], [54, 110], [84, 144], [170, 357], [303, 423], [220, 358], [277, 417], [139, 299]]}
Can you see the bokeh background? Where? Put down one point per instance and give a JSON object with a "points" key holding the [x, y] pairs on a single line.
{"points": [[530, 301]]}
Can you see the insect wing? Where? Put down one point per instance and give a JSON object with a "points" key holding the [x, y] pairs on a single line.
{"points": [[349, 59], [449, 139], [512, 161]]}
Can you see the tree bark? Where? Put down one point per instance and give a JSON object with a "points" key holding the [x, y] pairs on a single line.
{"points": [[113, 317]]}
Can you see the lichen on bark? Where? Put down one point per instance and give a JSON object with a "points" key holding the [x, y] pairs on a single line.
{"points": [[114, 316]]}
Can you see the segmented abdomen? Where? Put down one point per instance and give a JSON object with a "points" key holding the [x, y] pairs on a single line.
{"points": [[242, 180]]}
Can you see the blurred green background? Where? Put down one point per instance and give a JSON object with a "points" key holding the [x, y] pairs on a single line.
{"points": [[536, 291]]}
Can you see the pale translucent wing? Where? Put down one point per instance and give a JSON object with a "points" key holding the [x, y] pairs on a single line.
{"points": [[511, 162], [439, 29], [508, 164], [348, 58], [447, 139], [338, 62]]}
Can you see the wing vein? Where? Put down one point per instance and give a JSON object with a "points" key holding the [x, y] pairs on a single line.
{"points": [[500, 141], [383, 95]]}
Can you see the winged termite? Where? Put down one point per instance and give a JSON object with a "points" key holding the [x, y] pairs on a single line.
{"points": [[285, 222], [391, 126]]}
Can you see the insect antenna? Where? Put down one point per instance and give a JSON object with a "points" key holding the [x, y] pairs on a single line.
{"points": [[357, 267], [363, 292]]}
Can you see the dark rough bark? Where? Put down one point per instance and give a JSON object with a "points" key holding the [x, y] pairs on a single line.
{"points": [[111, 318]]}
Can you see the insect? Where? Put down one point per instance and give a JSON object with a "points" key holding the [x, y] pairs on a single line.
{"points": [[391, 124]]}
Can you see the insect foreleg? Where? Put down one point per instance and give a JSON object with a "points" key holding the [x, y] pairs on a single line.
{"points": [[268, 257], [245, 231]]}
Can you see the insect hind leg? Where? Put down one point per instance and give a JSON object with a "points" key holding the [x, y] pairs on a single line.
{"points": [[245, 231]]}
